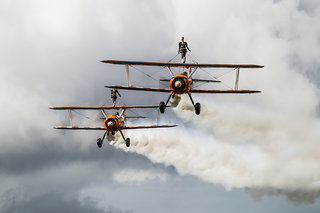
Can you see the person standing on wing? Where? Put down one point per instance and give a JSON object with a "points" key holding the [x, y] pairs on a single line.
{"points": [[183, 46], [114, 93]]}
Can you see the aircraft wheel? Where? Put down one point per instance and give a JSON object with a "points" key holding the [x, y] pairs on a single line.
{"points": [[197, 108], [162, 107], [99, 142], [128, 142]]}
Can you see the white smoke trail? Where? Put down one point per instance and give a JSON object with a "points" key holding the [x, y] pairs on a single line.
{"points": [[237, 147]]}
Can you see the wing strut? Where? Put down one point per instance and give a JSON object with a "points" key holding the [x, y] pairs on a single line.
{"points": [[104, 113], [192, 71], [128, 75], [71, 117], [170, 71], [236, 86]]}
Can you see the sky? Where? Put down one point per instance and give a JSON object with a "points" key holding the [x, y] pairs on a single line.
{"points": [[244, 153]]}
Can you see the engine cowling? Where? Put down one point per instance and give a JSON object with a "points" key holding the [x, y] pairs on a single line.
{"points": [[179, 84], [111, 123]]}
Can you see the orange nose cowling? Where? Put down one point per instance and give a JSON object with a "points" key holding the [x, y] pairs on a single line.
{"points": [[111, 123]]}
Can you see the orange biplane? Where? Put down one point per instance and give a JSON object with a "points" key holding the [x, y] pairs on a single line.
{"points": [[183, 83], [112, 123]]}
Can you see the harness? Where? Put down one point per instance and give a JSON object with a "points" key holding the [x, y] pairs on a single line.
{"points": [[183, 45]]}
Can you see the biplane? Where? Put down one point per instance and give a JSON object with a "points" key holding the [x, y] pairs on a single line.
{"points": [[183, 83], [112, 123]]}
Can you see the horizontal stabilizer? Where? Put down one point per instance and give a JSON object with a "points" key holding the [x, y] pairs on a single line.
{"points": [[172, 64], [135, 117], [197, 80], [130, 117]]}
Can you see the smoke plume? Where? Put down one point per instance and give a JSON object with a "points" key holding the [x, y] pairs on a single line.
{"points": [[239, 146]]}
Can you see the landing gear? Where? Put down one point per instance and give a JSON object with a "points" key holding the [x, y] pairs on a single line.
{"points": [[127, 140], [100, 141], [197, 106], [162, 105]]}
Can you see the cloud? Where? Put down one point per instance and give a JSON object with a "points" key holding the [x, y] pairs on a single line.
{"points": [[139, 176], [53, 202], [297, 196]]}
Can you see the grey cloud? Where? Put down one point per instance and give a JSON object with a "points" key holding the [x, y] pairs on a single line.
{"points": [[309, 6], [296, 196], [47, 154], [53, 202]]}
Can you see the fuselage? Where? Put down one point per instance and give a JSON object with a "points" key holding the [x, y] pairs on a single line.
{"points": [[180, 84]]}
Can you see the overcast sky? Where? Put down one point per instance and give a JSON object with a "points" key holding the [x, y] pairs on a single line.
{"points": [[248, 153]]}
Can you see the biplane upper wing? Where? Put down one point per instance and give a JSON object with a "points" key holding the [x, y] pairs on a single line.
{"points": [[223, 91], [102, 128], [139, 88], [102, 107], [172, 64]]}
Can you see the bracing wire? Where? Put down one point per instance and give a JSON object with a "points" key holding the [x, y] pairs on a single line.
{"points": [[150, 76], [214, 77], [173, 57]]}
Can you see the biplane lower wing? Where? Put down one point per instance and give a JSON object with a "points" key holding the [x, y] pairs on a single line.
{"points": [[102, 107], [79, 128], [148, 127], [172, 64], [102, 128], [223, 91], [139, 88], [192, 91]]}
